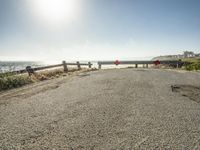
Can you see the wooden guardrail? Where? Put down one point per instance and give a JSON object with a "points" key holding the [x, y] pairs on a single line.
{"points": [[144, 63], [65, 65]]}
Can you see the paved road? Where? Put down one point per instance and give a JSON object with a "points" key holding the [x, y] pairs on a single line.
{"points": [[107, 109]]}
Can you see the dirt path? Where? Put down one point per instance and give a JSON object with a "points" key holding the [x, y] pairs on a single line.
{"points": [[107, 109]]}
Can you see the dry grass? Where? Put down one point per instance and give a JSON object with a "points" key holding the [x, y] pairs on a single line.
{"points": [[9, 81]]}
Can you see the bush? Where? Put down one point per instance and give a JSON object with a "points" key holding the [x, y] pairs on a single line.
{"points": [[2, 75], [10, 82], [193, 66]]}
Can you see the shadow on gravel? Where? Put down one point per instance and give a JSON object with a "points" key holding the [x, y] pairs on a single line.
{"points": [[140, 70], [190, 91], [135, 69], [84, 75]]}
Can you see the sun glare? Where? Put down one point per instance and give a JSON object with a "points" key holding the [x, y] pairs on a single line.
{"points": [[55, 10]]}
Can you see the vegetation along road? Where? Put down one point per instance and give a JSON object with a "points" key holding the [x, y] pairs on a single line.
{"points": [[106, 109]]}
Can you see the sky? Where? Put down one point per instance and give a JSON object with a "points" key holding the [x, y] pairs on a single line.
{"points": [[50, 30]]}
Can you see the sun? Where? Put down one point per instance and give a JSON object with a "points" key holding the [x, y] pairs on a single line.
{"points": [[55, 10]]}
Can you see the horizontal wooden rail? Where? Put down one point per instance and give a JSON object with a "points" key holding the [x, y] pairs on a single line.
{"points": [[47, 67], [64, 64], [168, 62], [135, 62]]}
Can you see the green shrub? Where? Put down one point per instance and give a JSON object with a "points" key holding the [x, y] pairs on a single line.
{"points": [[2, 75], [10, 82], [193, 66]]}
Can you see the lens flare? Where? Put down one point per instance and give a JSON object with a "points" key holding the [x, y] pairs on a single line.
{"points": [[55, 10]]}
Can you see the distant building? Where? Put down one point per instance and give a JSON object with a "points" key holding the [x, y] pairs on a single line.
{"points": [[179, 56], [188, 54], [197, 55]]}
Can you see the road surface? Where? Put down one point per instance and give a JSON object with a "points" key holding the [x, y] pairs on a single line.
{"points": [[115, 109]]}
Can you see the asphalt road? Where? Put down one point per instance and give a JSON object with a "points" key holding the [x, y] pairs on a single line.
{"points": [[108, 109]]}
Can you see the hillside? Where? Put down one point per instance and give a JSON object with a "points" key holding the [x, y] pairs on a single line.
{"points": [[164, 58]]}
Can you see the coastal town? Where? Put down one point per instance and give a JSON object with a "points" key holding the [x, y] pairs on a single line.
{"points": [[185, 54]]}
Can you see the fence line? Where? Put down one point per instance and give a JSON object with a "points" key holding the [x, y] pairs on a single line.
{"points": [[173, 63], [65, 65]]}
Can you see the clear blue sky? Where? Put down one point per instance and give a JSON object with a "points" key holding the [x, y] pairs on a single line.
{"points": [[99, 29]]}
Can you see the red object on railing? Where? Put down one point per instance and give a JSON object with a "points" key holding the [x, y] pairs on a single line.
{"points": [[117, 62], [157, 62]]}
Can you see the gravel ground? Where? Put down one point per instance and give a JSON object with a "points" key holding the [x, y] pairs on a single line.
{"points": [[115, 109]]}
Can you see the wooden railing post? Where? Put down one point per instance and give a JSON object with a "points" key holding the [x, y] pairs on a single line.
{"points": [[89, 65], [99, 65], [65, 66], [147, 65], [136, 65], [30, 70], [78, 65]]}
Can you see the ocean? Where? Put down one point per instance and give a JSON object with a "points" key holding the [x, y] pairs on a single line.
{"points": [[7, 66]]}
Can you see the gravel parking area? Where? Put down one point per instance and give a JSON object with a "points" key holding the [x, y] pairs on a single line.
{"points": [[117, 109]]}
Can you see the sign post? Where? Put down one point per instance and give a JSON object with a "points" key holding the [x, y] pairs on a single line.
{"points": [[157, 62], [117, 62]]}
